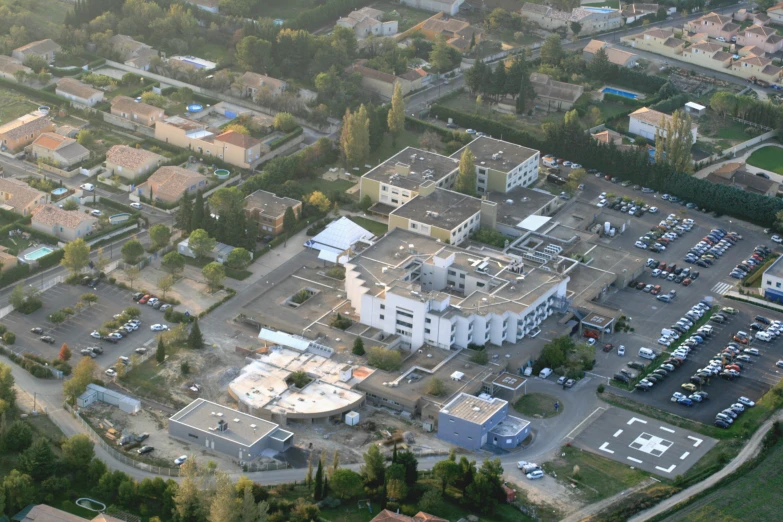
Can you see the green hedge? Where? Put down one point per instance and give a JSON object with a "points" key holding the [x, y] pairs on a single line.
{"points": [[671, 104], [231, 293], [491, 127], [35, 93], [57, 71], [279, 142], [12, 275], [51, 260], [96, 63], [13, 217], [622, 100], [119, 206]]}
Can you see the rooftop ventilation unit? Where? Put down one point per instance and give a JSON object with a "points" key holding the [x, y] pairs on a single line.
{"points": [[476, 408]]}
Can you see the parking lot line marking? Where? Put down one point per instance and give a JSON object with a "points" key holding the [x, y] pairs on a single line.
{"points": [[617, 433], [684, 455], [698, 441], [604, 446], [586, 418], [666, 429], [634, 460], [666, 470], [634, 419]]}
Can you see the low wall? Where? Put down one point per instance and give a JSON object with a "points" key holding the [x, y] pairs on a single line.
{"points": [[129, 125], [283, 150], [59, 172], [732, 151]]}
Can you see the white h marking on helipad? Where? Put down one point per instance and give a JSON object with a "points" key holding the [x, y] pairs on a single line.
{"points": [[698, 441], [634, 460], [604, 446], [684, 455], [666, 429], [634, 419], [617, 433], [669, 470]]}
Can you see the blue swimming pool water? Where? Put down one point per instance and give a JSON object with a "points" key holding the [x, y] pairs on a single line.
{"points": [[194, 64], [59, 191], [598, 9], [618, 92], [38, 254]]}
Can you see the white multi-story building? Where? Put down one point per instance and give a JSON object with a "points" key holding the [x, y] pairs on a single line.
{"points": [[646, 122], [428, 292], [501, 166]]}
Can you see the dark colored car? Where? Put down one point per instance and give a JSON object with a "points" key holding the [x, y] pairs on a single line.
{"points": [[94, 283], [37, 330], [267, 239], [145, 449], [721, 424], [756, 326], [138, 295], [86, 280], [622, 378], [47, 339], [762, 319], [636, 366], [110, 339]]}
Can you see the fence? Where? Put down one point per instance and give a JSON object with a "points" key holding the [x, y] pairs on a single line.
{"points": [[128, 124], [158, 470], [112, 234], [732, 152], [267, 466]]}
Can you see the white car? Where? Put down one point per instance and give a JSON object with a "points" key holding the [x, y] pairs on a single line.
{"points": [[639, 244], [621, 350], [110, 372], [136, 205], [158, 327], [737, 406], [591, 341], [601, 203], [751, 351], [89, 187], [96, 213], [653, 210], [180, 460], [152, 301], [537, 474], [777, 239], [95, 334], [665, 341], [576, 166], [677, 396], [746, 402]]}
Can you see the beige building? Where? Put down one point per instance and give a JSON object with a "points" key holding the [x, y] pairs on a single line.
{"points": [[757, 67], [660, 41], [592, 20], [253, 84], [17, 196], [22, 131], [66, 225], [134, 53], [615, 56], [553, 95], [367, 21], [168, 184], [735, 175], [715, 26], [762, 37], [58, 150], [130, 162], [78, 92], [450, 7], [501, 166], [440, 213], [10, 66], [46, 49], [647, 122], [709, 55], [137, 112], [609, 136], [383, 83], [775, 14], [458, 33], [633, 12], [268, 211]]}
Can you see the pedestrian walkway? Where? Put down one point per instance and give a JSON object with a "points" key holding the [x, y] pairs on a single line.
{"points": [[722, 288]]}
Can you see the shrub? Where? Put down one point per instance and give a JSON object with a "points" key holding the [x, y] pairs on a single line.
{"points": [[601, 388], [301, 296], [340, 322], [9, 338], [480, 356], [384, 359]]}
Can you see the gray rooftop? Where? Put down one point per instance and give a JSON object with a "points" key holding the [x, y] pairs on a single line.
{"points": [[443, 208], [516, 205], [418, 163], [509, 380], [775, 269], [484, 148], [242, 428], [472, 409], [509, 426], [269, 204]]}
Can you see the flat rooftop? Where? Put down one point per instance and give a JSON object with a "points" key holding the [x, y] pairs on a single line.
{"points": [[596, 319], [775, 269], [521, 202], [443, 208], [497, 154], [418, 164], [509, 381], [473, 409], [509, 426], [243, 428]]}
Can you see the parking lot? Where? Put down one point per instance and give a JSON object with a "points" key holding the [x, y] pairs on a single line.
{"points": [[75, 331], [643, 442]]}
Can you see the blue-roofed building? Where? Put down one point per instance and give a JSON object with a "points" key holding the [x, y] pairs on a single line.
{"points": [[772, 281]]}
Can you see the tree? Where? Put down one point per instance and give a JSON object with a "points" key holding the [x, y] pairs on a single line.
{"points": [[673, 142], [409, 462], [38, 461], [396, 118], [132, 251], [238, 258], [466, 178], [132, 273], [224, 506], [160, 352], [289, 223], [195, 339], [160, 235], [576, 28], [200, 243], [17, 298], [436, 387], [374, 468], [85, 138], [431, 141], [384, 358], [82, 376], [70, 204], [723, 103], [7, 392], [185, 213], [475, 77], [89, 298], [197, 216], [187, 499], [166, 283], [318, 483], [358, 347], [19, 490], [214, 273], [431, 501], [65, 353], [76, 256], [285, 122], [467, 471], [396, 488], [309, 476], [552, 50], [346, 484], [18, 437], [174, 262], [600, 67], [365, 203], [253, 53], [355, 137], [78, 451], [441, 57], [446, 471], [320, 202]]}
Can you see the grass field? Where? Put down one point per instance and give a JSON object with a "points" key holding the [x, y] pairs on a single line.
{"points": [[406, 17], [754, 496], [407, 138], [467, 104], [373, 226], [768, 158], [538, 405], [598, 477], [14, 104], [105, 139], [325, 186]]}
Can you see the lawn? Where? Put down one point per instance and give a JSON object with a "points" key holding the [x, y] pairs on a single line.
{"points": [[753, 496], [210, 51], [538, 405], [325, 186], [373, 226], [106, 139], [15, 245], [14, 104], [768, 158], [598, 477], [408, 138], [406, 17]]}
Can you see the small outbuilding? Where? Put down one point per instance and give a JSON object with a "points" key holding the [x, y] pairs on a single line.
{"points": [[695, 110]]}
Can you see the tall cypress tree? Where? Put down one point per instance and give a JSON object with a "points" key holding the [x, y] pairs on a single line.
{"points": [[160, 353], [318, 484], [195, 339], [197, 217], [394, 454], [185, 213]]}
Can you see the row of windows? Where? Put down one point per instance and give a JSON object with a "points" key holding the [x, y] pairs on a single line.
{"points": [[403, 323]]}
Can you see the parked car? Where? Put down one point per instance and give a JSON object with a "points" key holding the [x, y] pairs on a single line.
{"points": [[145, 449], [159, 327], [48, 339], [181, 460], [533, 475]]}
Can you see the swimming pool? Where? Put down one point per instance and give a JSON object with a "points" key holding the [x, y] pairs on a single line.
{"points": [[59, 191], [618, 92], [194, 64], [38, 254]]}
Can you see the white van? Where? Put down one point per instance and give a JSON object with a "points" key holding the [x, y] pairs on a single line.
{"points": [[646, 353], [545, 373], [549, 161], [528, 371], [764, 336]]}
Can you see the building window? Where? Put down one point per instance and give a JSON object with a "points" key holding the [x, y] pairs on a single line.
{"points": [[382, 317], [405, 314], [192, 436], [777, 285], [462, 276], [414, 226], [395, 200], [480, 285], [452, 272], [426, 330], [403, 323], [428, 320], [383, 307], [385, 188], [451, 420]]}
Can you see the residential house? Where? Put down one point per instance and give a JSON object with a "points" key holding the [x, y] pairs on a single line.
{"points": [[616, 56], [253, 84], [554, 95], [709, 55], [368, 21], [22, 131], [10, 66], [775, 14], [440, 213], [757, 67], [66, 225], [383, 83], [67, 130], [450, 7], [735, 175], [78, 92], [169, 183], [715, 26], [60, 151], [238, 149], [591, 19], [458, 33], [211, 6], [760, 18], [268, 210], [609, 136], [634, 12], [130, 162], [46, 49], [391, 516], [660, 41], [17, 196], [760, 36], [137, 112], [646, 122], [134, 53]]}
